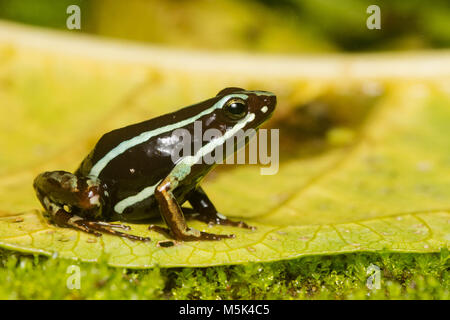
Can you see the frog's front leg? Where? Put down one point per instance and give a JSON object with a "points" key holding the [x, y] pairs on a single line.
{"points": [[173, 214], [206, 211], [72, 201]]}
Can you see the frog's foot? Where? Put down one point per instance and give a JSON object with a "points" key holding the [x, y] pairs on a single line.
{"points": [[112, 225], [191, 234], [104, 227], [64, 194], [64, 219], [208, 213], [96, 228], [216, 218]]}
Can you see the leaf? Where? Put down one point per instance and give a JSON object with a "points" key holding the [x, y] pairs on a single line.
{"points": [[386, 189]]}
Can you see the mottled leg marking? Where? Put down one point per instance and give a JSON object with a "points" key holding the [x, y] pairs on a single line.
{"points": [[208, 213], [174, 218], [57, 190]]}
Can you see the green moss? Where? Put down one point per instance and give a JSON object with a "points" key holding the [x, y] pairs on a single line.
{"points": [[403, 276]]}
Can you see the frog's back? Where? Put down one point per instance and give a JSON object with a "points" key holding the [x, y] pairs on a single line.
{"points": [[132, 160], [128, 158], [127, 167], [136, 149]]}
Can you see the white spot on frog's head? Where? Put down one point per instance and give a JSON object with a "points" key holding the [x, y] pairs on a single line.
{"points": [[264, 109]]}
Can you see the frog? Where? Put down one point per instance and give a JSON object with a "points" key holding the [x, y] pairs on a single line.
{"points": [[130, 175]]}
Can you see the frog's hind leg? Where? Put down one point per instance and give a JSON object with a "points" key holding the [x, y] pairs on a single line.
{"points": [[63, 195], [204, 210]]}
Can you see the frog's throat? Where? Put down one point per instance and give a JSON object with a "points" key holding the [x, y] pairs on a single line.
{"points": [[183, 168], [145, 136]]}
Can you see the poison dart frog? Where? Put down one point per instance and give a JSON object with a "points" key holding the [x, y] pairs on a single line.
{"points": [[130, 175]]}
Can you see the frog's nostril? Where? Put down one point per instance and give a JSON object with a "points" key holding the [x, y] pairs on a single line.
{"points": [[269, 103], [270, 99], [273, 100]]}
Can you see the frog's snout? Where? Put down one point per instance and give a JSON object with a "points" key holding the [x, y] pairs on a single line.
{"points": [[271, 100], [268, 105]]}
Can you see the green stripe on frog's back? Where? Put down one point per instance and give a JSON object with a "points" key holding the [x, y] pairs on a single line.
{"points": [[183, 167], [145, 136]]}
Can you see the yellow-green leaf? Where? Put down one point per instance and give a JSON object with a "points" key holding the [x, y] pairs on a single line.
{"points": [[379, 181]]}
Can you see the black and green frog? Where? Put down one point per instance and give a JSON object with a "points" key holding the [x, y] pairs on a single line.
{"points": [[130, 175]]}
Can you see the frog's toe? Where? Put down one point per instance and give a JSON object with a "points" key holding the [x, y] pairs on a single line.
{"points": [[95, 227], [111, 225], [195, 235], [190, 235], [212, 236], [224, 221], [220, 219]]}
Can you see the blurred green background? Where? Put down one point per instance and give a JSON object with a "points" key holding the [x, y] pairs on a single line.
{"points": [[284, 26]]}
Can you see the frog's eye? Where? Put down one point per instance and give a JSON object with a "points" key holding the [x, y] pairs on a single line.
{"points": [[235, 109]]}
